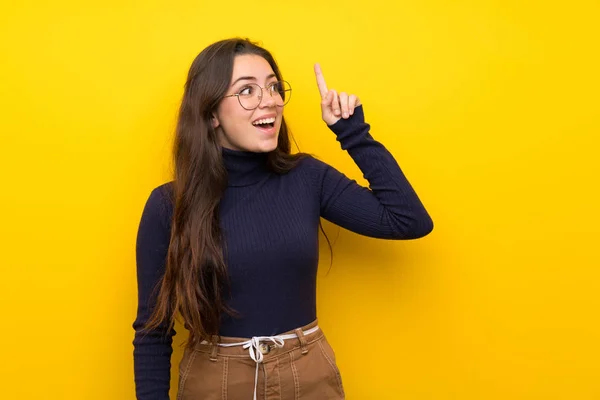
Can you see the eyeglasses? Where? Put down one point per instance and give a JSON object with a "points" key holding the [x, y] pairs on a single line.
{"points": [[251, 94]]}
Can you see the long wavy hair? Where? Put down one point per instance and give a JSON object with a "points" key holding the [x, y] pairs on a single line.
{"points": [[195, 283]]}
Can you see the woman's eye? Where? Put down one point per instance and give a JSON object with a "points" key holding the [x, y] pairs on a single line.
{"points": [[246, 91], [275, 87]]}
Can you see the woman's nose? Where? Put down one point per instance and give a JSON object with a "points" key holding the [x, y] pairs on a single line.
{"points": [[267, 100]]}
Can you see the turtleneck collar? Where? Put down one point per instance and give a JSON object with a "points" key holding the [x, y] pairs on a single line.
{"points": [[245, 168]]}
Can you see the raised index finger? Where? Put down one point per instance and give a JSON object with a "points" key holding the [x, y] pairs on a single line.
{"points": [[320, 81]]}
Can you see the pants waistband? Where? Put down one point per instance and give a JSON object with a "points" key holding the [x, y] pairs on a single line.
{"points": [[239, 347], [258, 348]]}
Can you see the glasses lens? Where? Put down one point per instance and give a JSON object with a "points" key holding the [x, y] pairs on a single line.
{"points": [[250, 96], [281, 91]]}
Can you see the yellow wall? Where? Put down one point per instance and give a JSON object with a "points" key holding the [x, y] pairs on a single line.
{"points": [[491, 108]]}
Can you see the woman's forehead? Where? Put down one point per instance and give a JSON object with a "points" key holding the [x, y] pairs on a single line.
{"points": [[251, 67]]}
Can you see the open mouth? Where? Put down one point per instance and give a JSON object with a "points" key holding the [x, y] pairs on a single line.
{"points": [[266, 123]]}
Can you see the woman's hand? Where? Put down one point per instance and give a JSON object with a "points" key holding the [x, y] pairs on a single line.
{"points": [[334, 106]]}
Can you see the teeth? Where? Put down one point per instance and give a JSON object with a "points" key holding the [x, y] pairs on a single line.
{"points": [[264, 121]]}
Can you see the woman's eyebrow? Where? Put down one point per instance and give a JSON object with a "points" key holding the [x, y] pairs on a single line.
{"points": [[250, 78]]}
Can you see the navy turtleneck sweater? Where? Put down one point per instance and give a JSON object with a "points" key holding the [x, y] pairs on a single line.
{"points": [[270, 227]]}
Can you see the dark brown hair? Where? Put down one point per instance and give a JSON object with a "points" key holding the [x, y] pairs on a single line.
{"points": [[195, 283]]}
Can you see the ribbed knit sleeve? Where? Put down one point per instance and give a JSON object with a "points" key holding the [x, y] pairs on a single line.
{"points": [[152, 350], [389, 208]]}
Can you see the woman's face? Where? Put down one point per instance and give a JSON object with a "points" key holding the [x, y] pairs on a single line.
{"points": [[254, 130]]}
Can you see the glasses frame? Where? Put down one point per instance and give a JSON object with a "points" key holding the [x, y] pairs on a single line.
{"points": [[287, 94]]}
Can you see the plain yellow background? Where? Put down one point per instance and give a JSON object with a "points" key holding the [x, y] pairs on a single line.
{"points": [[491, 108]]}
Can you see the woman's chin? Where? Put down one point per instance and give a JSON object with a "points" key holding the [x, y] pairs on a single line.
{"points": [[266, 146]]}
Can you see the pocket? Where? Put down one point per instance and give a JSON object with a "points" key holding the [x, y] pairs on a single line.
{"points": [[329, 355], [184, 369], [315, 374], [199, 377]]}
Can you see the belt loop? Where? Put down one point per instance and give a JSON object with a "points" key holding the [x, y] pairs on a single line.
{"points": [[214, 348], [302, 340]]}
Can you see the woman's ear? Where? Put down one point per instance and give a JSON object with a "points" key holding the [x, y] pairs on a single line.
{"points": [[214, 121]]}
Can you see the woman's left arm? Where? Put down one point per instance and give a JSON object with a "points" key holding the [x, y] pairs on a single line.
{"points": [[389, 208]]}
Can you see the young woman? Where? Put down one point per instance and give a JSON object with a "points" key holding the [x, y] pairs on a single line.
{"points": [[231, 244]]}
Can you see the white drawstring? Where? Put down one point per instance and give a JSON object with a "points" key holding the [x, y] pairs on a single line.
{"points": [[253, 346]]}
